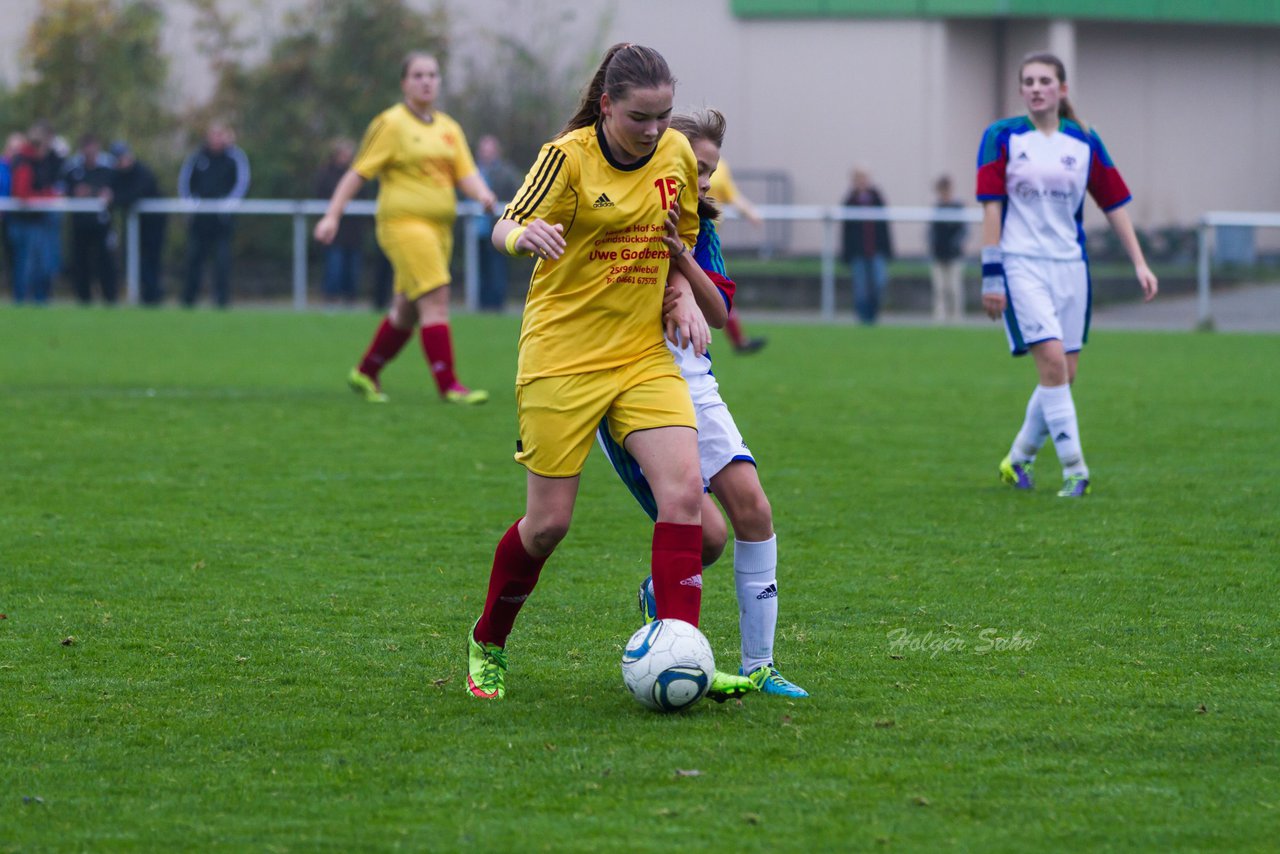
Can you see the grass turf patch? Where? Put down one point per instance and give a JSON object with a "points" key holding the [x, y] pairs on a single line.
{"points": [[236, 599]]}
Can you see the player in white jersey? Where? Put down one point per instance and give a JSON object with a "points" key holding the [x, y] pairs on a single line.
{"points": [[728, 468], [1033, 174]]}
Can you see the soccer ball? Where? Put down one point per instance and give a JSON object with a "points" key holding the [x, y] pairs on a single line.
{"points": [[668, 665]]}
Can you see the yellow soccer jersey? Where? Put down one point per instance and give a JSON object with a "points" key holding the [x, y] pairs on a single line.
{"points": [[723, 189], [418, 164], [599, 305]]}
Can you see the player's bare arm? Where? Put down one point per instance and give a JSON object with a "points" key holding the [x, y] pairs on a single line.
{"points": [[1123, 225], [327, 228], [685, 322]]}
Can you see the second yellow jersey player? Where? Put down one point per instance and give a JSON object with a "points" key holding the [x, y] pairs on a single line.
{"points": [[421, 158], [418, 165]]}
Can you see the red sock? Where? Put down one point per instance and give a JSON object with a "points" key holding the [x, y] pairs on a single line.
{"points": [[677, 571], [386, 343], [733, 329], [439, 351], [515, 573]]}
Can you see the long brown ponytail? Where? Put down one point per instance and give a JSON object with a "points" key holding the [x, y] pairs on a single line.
{"points": [[1065, 110], [625, 67]]}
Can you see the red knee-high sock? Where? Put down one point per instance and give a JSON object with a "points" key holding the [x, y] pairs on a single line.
{"points": [[438, 348], [386, 343], [515, 573], [677, 571], [733, 329]]}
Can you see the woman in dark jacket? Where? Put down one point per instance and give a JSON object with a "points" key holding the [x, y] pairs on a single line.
{"points": [[867, 248]]}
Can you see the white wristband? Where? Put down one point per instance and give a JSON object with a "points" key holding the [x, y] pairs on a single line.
{"points": [[993, 278]]}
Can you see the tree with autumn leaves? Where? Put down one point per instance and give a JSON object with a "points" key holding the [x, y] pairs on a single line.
{"points": [[98, 65]]}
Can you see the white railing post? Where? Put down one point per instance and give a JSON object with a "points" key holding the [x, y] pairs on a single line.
{"points": [[299, 259], [1204, 314], [132, 263], [828, 298], [471, 260]]}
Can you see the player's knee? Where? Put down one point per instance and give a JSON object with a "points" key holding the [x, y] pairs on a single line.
{"points": [[753, 519], [543, 535], [403, 316], [687, 505], [680, 501]]}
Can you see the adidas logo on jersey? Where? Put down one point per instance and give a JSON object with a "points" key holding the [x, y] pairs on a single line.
{"points": [[692, 581], [770, 592], [1022, 155], [603, 201]]}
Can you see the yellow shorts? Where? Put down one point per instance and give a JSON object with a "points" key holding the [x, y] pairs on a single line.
{"points": [[559, 415], [419, 251]]}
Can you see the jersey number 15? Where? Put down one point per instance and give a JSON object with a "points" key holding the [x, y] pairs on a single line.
{"points": [[669, 190]]}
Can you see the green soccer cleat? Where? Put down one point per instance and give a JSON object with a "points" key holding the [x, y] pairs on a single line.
{"points": [[727, 685], [366, 386], [464, 395], [648, 604], [1075, 486], [770, 681], [486, 668], [1017, 475]]}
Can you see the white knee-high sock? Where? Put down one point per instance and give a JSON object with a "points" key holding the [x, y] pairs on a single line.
{"points": [[755, 575], [1060, 415], [1033, 433]]}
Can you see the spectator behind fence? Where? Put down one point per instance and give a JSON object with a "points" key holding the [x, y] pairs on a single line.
{"points": [[504, 180], [35, 174], [867, 248], [12, 145], [88, 175], [132, 182], [946, 255], [217, 171], [344, 256]]}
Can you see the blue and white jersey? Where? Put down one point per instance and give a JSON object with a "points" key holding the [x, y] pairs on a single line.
{"points": [[1042, 181], [696, 369]]}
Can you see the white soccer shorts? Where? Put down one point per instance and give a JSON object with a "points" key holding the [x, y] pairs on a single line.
{"points": [[1047, 300], [719, 441]]}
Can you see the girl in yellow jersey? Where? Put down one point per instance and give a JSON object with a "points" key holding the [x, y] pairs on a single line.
{"points": [[593, 209], [419, 156]]}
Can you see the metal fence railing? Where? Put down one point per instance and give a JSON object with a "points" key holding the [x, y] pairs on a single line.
{"points": [[470, 214], [1209, 223]]}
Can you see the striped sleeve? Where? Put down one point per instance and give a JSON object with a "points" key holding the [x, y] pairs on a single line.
{"points": [[376, 149], [1105, 184], [727, 288], [993, 159], [710, 258], [542, 187], [241, 160], [464, 165]]}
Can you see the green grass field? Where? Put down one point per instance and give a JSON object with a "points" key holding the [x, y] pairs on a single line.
{"points": [[235, 600]]}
